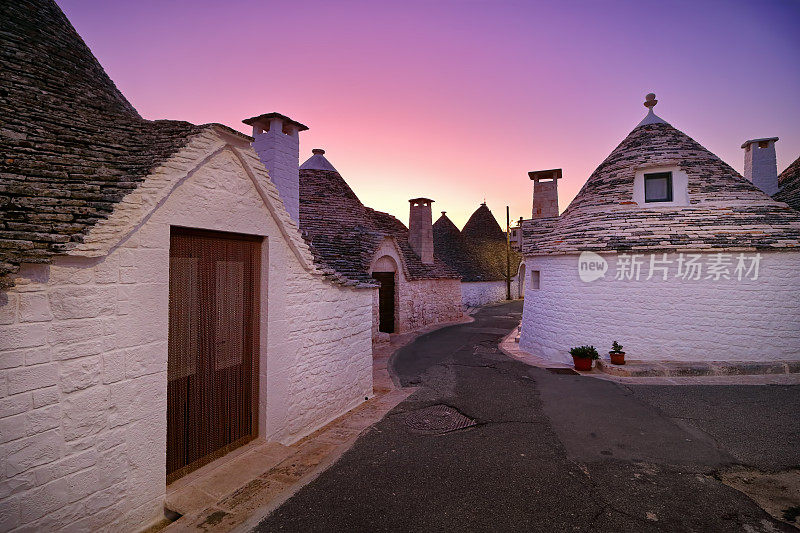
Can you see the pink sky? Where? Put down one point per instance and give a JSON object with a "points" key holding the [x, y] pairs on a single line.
{"points": [[457, 101]]}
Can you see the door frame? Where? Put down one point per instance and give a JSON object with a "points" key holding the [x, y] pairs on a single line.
{"points": [[255, 328]]}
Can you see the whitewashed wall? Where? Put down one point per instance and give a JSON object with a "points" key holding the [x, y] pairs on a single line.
{"points": [[475, 293], [83, 352], [419, 303], [654, 319]]}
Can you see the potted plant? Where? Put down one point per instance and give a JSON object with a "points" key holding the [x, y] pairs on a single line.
{"points": [[616, 353], [583, 356]]}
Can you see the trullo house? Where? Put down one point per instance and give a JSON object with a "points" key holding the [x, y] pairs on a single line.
{"points": [[159, 305], [479, 253], [667, 250]]}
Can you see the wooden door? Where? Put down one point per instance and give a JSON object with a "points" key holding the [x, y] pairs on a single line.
{"points": [[212, 377], [385, 301]]}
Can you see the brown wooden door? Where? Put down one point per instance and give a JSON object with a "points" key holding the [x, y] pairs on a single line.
{"points": [[212, 378], [385, 301]]}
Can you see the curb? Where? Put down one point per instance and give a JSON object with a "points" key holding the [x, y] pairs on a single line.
{"points": [[697, 368]]}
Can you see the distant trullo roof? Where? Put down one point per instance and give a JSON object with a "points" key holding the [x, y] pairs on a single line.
{"points": [[483, 225], [478, 255], [344, 234], [789, 185], [725, 210]]}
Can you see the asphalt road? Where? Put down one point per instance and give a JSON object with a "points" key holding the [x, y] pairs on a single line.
{"points": [[547, 452]]}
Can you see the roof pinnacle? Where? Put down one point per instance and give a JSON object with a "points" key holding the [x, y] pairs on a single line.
{"points": [[651, 118]]}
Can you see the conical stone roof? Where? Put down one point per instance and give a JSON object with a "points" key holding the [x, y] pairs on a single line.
{"points": [[789, 185], [483, 225], [71, 145], [344, 234], [725, 210]]}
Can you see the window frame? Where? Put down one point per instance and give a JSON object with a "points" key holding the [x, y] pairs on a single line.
{"points": [[534, 279], [659, 175]]}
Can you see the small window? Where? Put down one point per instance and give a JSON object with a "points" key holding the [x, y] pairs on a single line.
{"points": [[658, 187], [534, 279]]}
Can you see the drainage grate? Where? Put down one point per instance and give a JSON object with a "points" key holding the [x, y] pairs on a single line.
{"points": [[437, 419], [563, 371]]}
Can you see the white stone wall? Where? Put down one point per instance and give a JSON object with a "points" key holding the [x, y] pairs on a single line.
{"points": [[673, 319], [475, 293], [418, 303], [83, 349]]}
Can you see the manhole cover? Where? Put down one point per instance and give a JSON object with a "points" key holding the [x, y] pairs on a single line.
{"points": [[437, 419], [562, 371]]}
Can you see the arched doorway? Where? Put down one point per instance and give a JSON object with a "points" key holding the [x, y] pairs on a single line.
{"points": [[521, 280], [385, 271]]}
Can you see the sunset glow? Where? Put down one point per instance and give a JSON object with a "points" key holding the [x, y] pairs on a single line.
{"points": [[457, 101]]}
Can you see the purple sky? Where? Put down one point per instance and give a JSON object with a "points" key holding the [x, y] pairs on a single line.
{"points": [[456, 101]]}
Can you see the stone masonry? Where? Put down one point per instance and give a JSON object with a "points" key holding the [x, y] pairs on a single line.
{"points": [[83, 346], [657, 319]]}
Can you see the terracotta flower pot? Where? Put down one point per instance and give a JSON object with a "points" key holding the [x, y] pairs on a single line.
{"points": [[582, 363], [617, 358]]}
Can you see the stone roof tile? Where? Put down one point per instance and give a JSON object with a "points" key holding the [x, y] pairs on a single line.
{"points": [[71, 145], [344, 234], [789, 185]]}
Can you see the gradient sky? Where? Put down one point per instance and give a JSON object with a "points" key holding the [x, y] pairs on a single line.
{"points": [[457, 101]]}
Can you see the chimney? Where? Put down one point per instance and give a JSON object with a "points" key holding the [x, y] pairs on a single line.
{"points": [[420, 229], [760, 165], [545, 192], [277, 144]]}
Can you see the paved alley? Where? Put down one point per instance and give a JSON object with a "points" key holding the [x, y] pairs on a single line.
{"points": [[490, 444]]}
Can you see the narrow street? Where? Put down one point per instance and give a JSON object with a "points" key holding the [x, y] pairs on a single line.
{"points": [[491, 444]]}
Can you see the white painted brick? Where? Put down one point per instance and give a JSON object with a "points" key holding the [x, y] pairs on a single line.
{"points": [[72, 350], [113, 464], [12, 358], [82, 301], [113, 366], [34, 307], [46, 396], [67, 333], [32, 377], [12, 428], [105, 498], [143, 360], [22, 336], [77, 374], [9, 513], [43, 419], [85, 412], [64, 467], [8, 308], [33, 451], [71, 271], [107, 271], [17, 484]]}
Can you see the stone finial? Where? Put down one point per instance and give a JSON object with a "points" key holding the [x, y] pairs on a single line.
{"points": [[444, 213], [318, 151], [650, 101]]}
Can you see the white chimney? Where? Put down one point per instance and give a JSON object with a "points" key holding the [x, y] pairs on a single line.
{"points": [[277, 144], [760, 164], [420, 229]]}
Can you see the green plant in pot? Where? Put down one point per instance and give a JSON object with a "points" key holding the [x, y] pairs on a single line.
{"points": [[616, 354], [583, 356]]}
